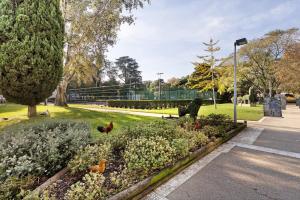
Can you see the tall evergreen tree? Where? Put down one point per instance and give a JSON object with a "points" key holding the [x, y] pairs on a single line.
{"points": [[31, 50], [129, 70], [210, 59]]}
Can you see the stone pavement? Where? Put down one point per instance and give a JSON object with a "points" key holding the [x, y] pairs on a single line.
{"points": [[261, 163]]}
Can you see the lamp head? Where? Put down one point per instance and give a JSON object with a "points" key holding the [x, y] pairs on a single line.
{"points": [[241, 41]]}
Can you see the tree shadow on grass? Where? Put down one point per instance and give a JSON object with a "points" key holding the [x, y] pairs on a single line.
{"points": [[96, 118], [7, 110], [93, 118]]}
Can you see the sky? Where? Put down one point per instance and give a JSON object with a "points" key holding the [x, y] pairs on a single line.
{"points": [[168, 35]]}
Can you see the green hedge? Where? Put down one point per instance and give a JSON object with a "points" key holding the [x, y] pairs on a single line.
{"points": [[151, 104], [147, 104]]}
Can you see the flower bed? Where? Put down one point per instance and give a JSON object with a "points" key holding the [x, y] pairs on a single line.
{"points": [[32, 153], [141, 156]]}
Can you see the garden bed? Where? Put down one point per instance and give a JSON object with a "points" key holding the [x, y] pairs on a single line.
{"points": [[132, 169], [142, 188], [31, 153]]}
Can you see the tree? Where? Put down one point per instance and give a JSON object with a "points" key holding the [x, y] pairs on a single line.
{"points": [[129, 70], [173, 82], [31, 50], [288, 69], [91, 27], [259, 57], [201, 78], [212, 61]]}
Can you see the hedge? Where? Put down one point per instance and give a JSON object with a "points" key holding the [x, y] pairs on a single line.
{"points": [[147, 104], [150, 104]]}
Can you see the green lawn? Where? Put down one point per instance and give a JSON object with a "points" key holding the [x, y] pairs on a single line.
{"points": [[244, 113], [18, 113]]}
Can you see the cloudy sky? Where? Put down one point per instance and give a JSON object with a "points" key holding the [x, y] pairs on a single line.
{"points": [[168, 34]]}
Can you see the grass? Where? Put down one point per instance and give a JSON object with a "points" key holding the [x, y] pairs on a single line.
{"points": [[18, 114], [243, 112]]}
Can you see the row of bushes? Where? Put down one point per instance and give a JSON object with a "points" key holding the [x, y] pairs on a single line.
{"points": [[136, 152], [150, 104], [147, 104], [32, 152]]}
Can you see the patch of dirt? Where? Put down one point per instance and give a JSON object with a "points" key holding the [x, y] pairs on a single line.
{"points": [[60, 187]]}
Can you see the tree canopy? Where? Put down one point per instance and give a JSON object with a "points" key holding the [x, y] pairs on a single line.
{"points": [[91, 27], [129, 70], [31, 50], [259, 58], [201, 78]]}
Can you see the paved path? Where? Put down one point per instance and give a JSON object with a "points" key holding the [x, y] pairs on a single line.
{"points": [[261, 163]]}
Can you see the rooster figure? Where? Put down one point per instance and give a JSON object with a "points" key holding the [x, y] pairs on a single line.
{"points": [[106, 129], [100, 168]]}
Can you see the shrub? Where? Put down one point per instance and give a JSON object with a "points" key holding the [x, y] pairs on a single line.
{"points": [[197, 140], [186, 123], [88, 156], [149, 104], [163, 128], [122, 179], [181, 147], [210, 131], [215, 120], [13, 187], [40, 148], [148, 154], [91, 187]]}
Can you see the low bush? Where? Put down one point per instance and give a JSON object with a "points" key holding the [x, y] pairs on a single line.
{"points": [[186, 122], [197, 140], [163, 128], [91, 187], [41, 148], [122, 179], [215, 120], [88, 156], [181, 147], [14, 187], [147, 154], [211, 131], [147, 104]]}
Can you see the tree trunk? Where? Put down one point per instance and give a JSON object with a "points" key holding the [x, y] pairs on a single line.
{"points": [[31, 111], [61, 91]]}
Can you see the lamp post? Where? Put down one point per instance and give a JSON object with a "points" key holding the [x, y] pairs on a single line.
{"points": [[238, 42], [159, 84]]}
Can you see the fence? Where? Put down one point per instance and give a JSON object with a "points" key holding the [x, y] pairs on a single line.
{"points": [[125, 92]]}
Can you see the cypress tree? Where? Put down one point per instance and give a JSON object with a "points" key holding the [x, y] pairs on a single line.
{"points": [[31, 50]]}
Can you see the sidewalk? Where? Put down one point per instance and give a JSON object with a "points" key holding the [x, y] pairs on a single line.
{"points": [[261, 163]]}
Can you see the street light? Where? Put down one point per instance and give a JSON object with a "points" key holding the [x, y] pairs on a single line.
{"points": [[159, 84], [238, 42]]}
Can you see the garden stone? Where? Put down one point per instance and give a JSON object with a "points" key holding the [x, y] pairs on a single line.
{"points": [[272, 107]]}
